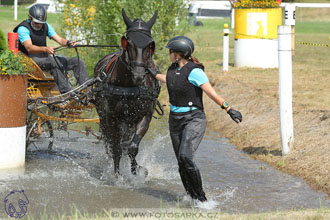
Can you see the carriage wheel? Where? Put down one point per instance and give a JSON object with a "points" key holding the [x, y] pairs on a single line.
{"points": [[43, 137]]}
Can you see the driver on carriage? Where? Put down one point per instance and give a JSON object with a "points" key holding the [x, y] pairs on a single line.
{"points": [[33, 34]]}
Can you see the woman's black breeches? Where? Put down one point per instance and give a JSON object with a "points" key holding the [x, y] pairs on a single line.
{"points": [[187, 131]]}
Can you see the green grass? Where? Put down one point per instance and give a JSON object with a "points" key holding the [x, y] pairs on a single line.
{"points": [[303, 25], [208, 40], [7, 22], [307, 27], [75, 214], [204, 42]]}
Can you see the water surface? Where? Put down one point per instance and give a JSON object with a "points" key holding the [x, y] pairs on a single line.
{"points": [[79, 173]]}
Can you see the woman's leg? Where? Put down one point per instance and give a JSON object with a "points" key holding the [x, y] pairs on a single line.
{"points": [[186, 135], [191, 138], [177, 124]]}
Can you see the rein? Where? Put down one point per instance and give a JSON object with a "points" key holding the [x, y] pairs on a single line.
{"points": [[60, 65], [84, 45], [109, 89]]}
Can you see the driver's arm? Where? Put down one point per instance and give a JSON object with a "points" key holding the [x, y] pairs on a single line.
{"points": [[37, 49], [62, 41]]}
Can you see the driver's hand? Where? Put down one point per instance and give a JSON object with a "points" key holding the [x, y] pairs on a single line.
{"points": [[50, 50], [71, 43]]}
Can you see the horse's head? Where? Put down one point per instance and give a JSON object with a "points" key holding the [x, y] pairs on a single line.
{"points": [[138, 45]]}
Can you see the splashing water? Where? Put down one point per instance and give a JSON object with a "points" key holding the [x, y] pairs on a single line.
{"points": [[79, 172], [208, 205]]}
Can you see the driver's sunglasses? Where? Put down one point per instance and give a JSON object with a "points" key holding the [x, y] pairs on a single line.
{"points": [[37, 23], [170, 51]]}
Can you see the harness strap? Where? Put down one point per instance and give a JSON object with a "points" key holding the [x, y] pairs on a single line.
{"points": [[113, 59], [123, 91], [144, 92]]}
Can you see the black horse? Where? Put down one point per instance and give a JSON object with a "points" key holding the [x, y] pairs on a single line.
{"points": [[126, 97]]}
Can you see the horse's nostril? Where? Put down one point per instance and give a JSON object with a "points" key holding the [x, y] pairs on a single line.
{"points": [[138, 79], [139, 70]]}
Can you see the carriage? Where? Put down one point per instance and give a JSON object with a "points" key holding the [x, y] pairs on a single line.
{"points": [[48, 110]]}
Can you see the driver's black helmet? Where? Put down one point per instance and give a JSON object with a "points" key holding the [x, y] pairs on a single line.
{"points": [[38, 13], [181, 44]]}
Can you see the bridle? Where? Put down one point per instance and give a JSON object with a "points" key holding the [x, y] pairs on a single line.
{"points": [[124, 43]]}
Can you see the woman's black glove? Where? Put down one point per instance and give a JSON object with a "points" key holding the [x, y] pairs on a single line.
{"points": [[153, 69], [235, 115]]}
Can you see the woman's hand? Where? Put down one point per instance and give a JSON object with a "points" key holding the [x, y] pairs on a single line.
{"points": [[235, 115], [155, 72], [153, 69]]}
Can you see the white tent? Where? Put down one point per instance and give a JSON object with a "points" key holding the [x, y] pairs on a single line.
{"points": [[211, 9], [48, 4]]}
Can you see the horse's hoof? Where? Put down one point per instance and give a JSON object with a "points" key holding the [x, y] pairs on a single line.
{"points": [[143, 170], [139, 169], [146, 172], [117, 175]]}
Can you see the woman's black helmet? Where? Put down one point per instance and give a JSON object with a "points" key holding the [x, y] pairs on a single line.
{"points": [[38, 13], [181, 44]]}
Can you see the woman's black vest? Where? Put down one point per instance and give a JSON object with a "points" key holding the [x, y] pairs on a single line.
{"points": [[181, 92], [38, 38]]}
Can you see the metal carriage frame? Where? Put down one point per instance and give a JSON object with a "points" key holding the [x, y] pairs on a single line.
{"points": [[46, 106]]}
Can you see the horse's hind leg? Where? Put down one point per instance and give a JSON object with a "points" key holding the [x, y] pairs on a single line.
{"points": [[142, 128]]}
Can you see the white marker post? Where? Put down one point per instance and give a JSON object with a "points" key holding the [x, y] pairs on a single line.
{"points": [[225, 56], [285, 87], [15, 10], [290, 19], [232, 18]]}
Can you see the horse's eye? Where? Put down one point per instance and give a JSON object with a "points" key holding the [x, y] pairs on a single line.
{"points": [[152, 48], [146, 52], [132, 50], [124, 43]]}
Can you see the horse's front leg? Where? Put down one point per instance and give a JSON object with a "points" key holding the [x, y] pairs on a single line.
{"points": [[116, 158], [113, 150], [142, 128]]}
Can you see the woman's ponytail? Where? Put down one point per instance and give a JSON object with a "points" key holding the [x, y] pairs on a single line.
{"points": [[194, 60]]}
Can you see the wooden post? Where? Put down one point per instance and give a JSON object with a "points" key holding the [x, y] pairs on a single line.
{"points": [[290, 19], [292, 39]]}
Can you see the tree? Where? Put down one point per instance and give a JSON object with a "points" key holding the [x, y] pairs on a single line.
{"points": [[100, 22], [3, 41]]}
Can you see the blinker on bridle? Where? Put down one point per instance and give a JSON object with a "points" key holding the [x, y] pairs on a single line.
{"points": [[142, 28], [124, 42]]}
